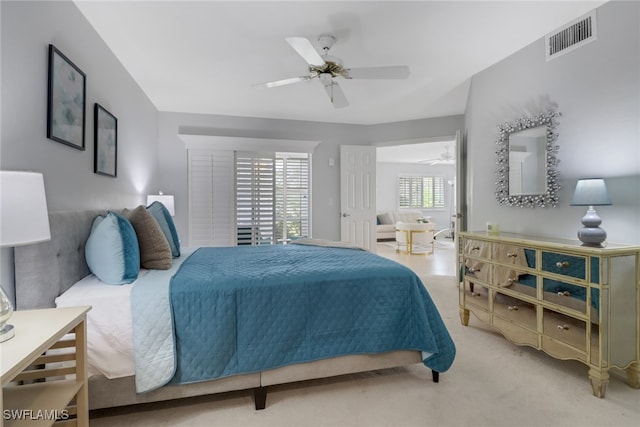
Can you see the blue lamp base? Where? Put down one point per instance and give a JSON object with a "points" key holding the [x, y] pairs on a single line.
{"points": [[591, 234]]}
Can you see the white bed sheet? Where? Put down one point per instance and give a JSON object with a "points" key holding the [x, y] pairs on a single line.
{"points": [[109, 330]]}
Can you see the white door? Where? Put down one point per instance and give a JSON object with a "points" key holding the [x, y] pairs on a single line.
{"points": [[461, 184], [358, 195]]}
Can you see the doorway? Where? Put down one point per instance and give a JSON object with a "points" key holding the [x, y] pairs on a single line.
{"points": [[433, 159]]}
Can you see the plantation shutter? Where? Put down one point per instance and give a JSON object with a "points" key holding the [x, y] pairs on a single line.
{"points": [[438, 192], [255, 198], [292, 196], [421, 192], [210, 195]]}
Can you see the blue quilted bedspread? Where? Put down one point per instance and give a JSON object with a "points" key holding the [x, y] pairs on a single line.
{"points": [[250, 308]]}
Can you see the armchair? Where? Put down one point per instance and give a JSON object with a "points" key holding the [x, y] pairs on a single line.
{"points": [[416, 238]]}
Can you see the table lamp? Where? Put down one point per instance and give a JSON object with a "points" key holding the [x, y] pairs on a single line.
{"points": [[24, 220], [591, 192], [165, 199]]}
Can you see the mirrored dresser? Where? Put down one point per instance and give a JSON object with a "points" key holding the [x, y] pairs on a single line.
{"points": [[570, 301]]}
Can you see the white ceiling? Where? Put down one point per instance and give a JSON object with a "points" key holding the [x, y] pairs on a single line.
{"points": [[416, 152], [206, 56]]}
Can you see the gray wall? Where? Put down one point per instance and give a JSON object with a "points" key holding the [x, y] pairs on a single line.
{"points": [[27, 30], [597, 90], [325, 178]]}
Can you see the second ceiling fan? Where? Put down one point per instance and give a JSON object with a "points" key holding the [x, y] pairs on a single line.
{"points": [[327, 67]]}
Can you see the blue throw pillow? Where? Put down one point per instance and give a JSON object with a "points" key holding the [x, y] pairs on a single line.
{"points": [[162, 215], [112, 251]]}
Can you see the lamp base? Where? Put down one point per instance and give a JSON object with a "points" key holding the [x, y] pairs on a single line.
{"points": [[6, 333], [591, 234]]}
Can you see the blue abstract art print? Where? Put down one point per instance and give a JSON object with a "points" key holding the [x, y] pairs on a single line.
{"points": [[66, 103]]}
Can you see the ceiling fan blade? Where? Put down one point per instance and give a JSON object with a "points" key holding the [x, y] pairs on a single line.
{"points": [[437, 162], [283, 82], [336, 95], [305, 49], [389, 72]]}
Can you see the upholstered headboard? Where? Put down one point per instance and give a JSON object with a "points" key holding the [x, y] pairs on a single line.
{"points": [[46, 270]]}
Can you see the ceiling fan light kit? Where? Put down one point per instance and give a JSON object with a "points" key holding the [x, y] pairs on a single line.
{"points": [[327, 68]]}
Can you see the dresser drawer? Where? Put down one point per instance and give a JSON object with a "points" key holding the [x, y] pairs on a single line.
{"points": [[515, 310], [480, 251], [564, 264], [568, 332], [516, 319], [571, 296], [479, 297]]}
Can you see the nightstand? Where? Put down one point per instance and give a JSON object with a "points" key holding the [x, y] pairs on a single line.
{"points": [[44, 372]]}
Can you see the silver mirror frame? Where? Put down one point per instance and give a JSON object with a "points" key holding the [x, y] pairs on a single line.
{"points": [[548, 199]]}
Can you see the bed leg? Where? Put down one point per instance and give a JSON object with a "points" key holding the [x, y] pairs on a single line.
{"points": [[260, 397], [435, 375]]}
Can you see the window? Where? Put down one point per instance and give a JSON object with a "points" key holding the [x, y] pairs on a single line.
{"points": [[292, 196], [255, 198], [229, 189], [272, 197], [421, 192]]}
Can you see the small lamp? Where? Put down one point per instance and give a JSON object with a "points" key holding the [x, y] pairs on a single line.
{"points": [[23, 220], [165, 199], [591, 192]]}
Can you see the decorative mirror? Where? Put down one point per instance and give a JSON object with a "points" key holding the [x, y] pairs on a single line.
{"points": [[526, 165]]}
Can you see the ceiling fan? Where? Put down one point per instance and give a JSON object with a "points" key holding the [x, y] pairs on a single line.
{"points": [[445, 158], [326, 68]]}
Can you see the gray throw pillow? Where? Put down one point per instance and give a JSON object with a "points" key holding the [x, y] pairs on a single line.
{"points": [[155, 252]]}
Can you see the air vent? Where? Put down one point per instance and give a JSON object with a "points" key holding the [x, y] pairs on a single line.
{"points": [[573, 35]]}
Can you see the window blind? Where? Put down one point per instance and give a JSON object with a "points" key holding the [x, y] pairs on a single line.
{"points": [[210, 195], [421, 192], [292, 196], [255, 198]]}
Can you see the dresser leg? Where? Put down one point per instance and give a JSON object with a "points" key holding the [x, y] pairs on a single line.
{"points": [[599, 381], [464, 316], [633, 375]]}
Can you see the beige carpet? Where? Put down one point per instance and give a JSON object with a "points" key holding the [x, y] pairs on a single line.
{"points": [[491, 383]]}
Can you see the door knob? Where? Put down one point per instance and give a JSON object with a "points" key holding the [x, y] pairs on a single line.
{"points": [[344, 215]]}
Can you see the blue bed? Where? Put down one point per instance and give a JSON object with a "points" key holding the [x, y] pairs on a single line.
{"points": [[239, 310], [47, 270]]}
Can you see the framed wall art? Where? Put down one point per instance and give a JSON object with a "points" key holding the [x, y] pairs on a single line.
{"points": [[66, 100], [105, 129]]}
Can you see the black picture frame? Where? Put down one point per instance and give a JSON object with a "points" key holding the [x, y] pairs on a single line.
{"points": [[105, 132], [67, 91]]}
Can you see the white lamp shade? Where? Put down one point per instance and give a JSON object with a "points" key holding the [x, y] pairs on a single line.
{"points": [[591, 192], [166, 200], [24, 218]]}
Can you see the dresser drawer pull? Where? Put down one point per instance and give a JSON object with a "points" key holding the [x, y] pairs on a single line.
{"points": [[563, 327], [475, 248], [510, 280], [473, 270], [562, 264], [512, 308], [564, 294], [511, 255]]}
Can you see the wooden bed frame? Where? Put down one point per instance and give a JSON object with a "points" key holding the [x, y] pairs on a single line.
{"points": [[44, 271]]}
